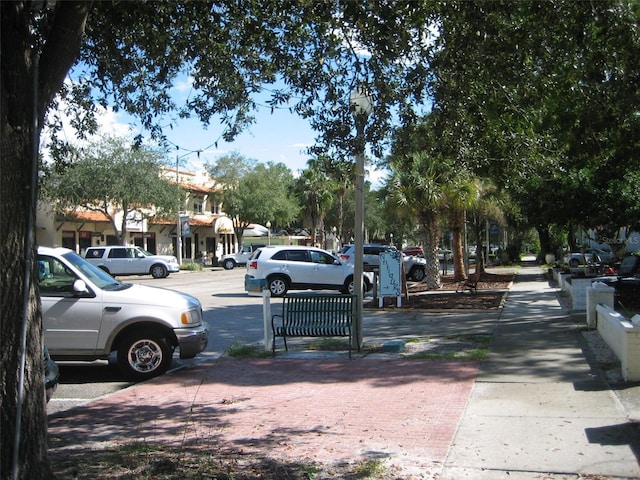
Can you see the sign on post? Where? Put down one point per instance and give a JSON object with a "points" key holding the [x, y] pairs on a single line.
{"points": [[391, 275]]}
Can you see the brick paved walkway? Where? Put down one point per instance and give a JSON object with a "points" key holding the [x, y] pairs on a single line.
{"points": [[325, 411]]}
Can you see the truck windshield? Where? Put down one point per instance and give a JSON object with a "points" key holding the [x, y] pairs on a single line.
{"points": [[98, 277]]}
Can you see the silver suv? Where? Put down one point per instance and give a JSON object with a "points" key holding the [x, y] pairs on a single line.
{"points": [[413, 266], [131, 260], [291, 267], [87, 315]]}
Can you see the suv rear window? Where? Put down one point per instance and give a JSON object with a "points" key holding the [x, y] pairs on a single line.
{"points": [[95, 253], [118, 253], [376, 249], [255, 255], [292, 255]]}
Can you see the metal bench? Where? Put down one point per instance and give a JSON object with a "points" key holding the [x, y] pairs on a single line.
{"points": [[470, 284], [314, 315]]}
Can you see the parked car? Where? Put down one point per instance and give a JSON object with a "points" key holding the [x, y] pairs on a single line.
{"points": [[290, 267], [87, 315], [232, 260], [590, 256], [51, 375], [444, 254], [131, 260], [413, 251], [414, 267]]}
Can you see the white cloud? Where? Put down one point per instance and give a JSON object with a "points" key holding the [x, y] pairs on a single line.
{"points": [[109, 124], [183, 86]]}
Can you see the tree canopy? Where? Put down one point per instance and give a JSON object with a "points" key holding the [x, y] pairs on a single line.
{"points": [[538, 96], [112, 177], [252, 192]]}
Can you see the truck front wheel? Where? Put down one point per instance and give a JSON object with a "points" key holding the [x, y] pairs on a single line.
{"points": [[158, 271], [417, 274], [143, 355], [229, 264]]}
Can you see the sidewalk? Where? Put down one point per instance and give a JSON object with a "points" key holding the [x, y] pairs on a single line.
{"points": [[537, 410], [533, 410]]}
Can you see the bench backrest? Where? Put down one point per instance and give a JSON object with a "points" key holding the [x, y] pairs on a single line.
{"points": [[323, 314]]}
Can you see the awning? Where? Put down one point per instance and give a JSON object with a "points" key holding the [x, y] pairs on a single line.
{"points": [[223, 226]]}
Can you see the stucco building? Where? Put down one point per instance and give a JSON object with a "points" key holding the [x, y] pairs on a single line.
{"points": [[203, 228]]}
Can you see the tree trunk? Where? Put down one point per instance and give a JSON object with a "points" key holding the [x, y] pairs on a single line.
{"points": [[16, 209], [430, 236], [457, 224], [21, 96], [545, 242], [341, 194]]}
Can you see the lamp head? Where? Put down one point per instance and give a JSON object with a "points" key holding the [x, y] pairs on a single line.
{"points": [[361, 101]]}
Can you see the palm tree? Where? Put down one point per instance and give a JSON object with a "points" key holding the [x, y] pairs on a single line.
{"points": [[342, 174], [419, 183], [314, 189], [460, 196], [489, 205]]}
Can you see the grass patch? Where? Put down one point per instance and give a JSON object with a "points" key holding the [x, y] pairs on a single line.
{"points": [[160, 462], [191, 266], [484, 340], [139, 461], [476, 354], [416, 340], [465, 348], [247, 351], [369, 469], [330, 344]]}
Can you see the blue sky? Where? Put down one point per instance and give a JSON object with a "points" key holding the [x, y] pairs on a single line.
{"points": [[278, 137], [274, 137]]}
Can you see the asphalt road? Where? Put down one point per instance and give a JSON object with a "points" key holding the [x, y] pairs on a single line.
{"points": [[231, 315]]}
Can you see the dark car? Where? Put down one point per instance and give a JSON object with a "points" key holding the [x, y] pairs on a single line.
{"points": [[413, 251], [626, 282]]}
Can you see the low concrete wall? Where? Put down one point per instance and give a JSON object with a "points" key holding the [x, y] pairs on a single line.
{"points": [[577, 289], [623, 337], [598, 294], [560, 278]]}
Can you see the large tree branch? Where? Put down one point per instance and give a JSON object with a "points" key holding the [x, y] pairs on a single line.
{"points": [[61, 49]]}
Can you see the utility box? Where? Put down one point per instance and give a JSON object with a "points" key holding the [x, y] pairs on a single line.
{"points": [[255, 285]]}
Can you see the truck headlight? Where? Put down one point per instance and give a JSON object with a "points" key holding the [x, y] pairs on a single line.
{"points": [[191, 316]]}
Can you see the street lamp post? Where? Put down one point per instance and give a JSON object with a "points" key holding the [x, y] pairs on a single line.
{"points": [[335, 239], [362, 107], [178, 223], [268, 225]]}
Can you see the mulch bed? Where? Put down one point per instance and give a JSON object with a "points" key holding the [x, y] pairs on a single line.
{"points": [[491, 291]]}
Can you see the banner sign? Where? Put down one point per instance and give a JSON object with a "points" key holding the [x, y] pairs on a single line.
{"points": [[185, 226]]}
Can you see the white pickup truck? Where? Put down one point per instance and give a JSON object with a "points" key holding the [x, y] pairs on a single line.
{"points": [[232, 260], [87, 315]]}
